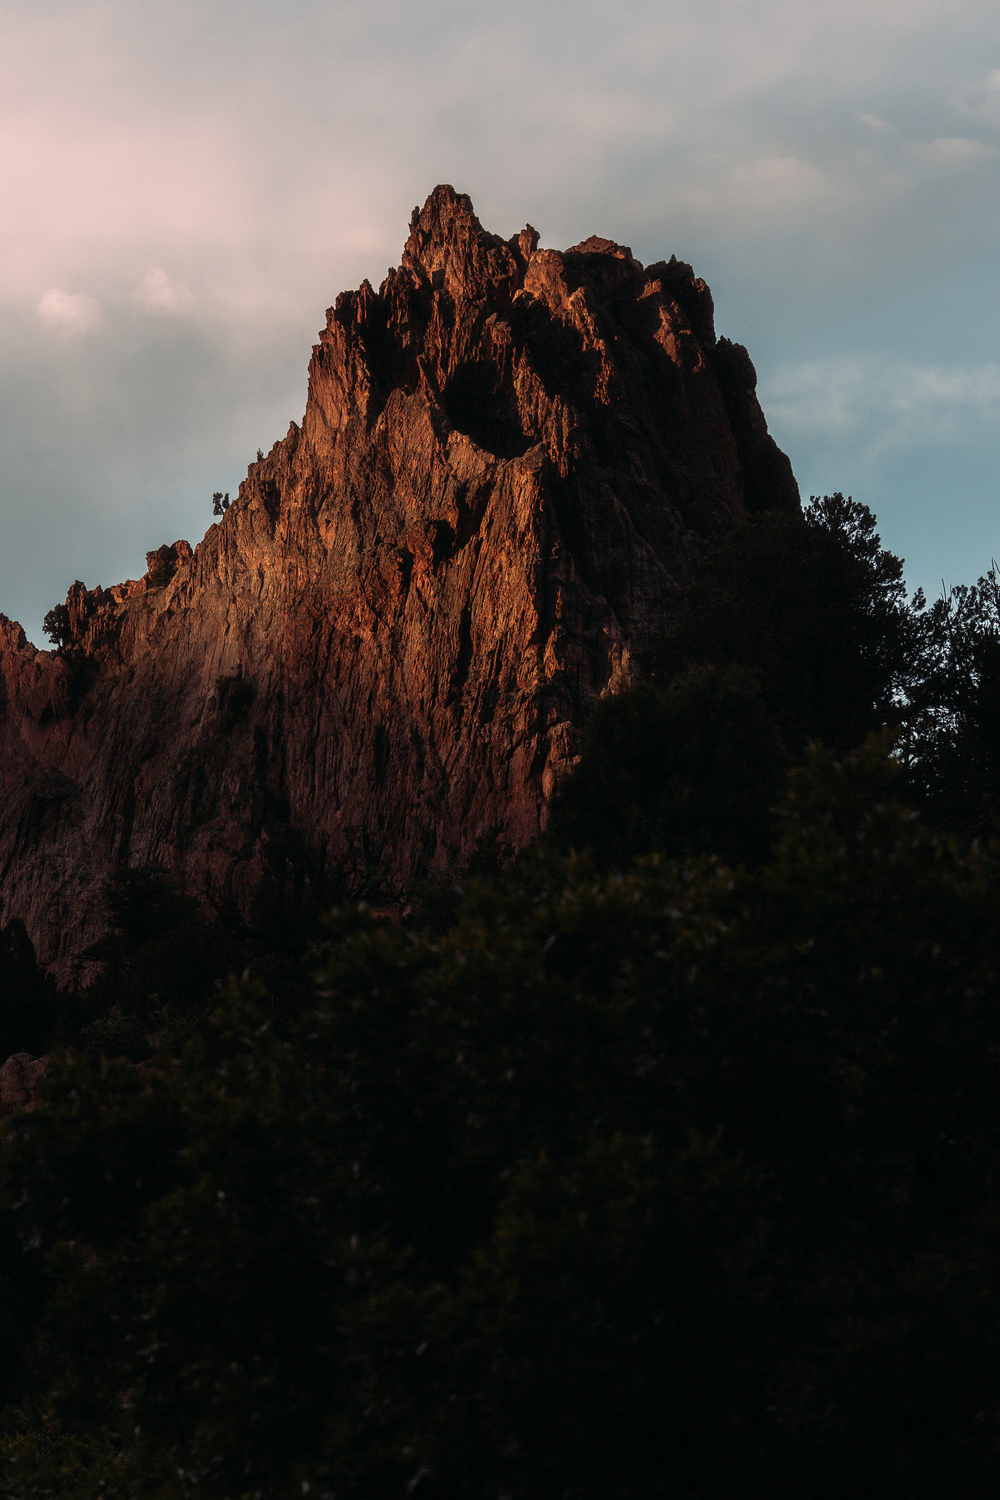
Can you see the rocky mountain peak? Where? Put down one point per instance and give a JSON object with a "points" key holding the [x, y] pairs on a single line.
{"points": [[377, 659]]}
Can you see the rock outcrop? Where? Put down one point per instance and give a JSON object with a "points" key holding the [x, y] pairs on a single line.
{"points": [[21, 1078], [375, 661]]}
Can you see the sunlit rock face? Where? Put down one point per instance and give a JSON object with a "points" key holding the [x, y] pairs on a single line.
{"points": [[375, 662]]}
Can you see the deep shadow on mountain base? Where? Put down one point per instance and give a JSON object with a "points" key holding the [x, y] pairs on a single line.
{"points": [[608, 1176]]}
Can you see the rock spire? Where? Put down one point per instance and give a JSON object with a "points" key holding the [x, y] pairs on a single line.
{"points": [[375, 661]]}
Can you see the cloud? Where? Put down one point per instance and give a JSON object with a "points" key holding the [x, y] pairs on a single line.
{"points": [[68, 312], [876, 402], [776, 182], [214, 172], [157, 293], [916, 440], [952, 151], [981, 99]]}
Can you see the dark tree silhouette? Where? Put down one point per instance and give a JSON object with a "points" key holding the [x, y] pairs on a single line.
{"points": [[56, 625]]}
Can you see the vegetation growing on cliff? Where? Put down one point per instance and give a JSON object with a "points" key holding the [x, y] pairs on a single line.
{"points": [[56, 625], [664, 1165]]}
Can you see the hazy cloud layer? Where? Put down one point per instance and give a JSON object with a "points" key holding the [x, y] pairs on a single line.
{"points": [[884, 404], [188, 185], [923, 440]]}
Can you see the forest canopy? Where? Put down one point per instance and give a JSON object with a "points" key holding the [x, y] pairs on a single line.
{"points": [[661, 1163]]}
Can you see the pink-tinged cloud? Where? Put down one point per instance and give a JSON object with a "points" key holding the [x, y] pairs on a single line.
{"points": [[69, 313], [187, 185], [159, 293]]}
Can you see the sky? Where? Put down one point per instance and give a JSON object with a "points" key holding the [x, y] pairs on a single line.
{"points": [[186, 187]]}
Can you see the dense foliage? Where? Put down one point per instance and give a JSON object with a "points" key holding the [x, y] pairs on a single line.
{"points": [[665, 1165], [796, 630]]}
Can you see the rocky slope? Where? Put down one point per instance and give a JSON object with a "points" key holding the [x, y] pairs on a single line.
{"points": [[375, 661]]}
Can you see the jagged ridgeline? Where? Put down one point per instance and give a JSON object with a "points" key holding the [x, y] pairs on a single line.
{"points": [[376, 662]]}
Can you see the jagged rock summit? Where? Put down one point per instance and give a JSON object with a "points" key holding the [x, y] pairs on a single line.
{"points": [[375, 661]]}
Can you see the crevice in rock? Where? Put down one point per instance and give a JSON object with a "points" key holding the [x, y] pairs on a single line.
{"points": [[478, 405]]}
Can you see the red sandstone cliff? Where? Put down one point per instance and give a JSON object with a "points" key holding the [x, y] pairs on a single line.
{"points": [[376, 659]]}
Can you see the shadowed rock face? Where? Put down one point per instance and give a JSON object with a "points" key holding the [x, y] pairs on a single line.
{"points": [[20, 1080], [508, 461]]}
